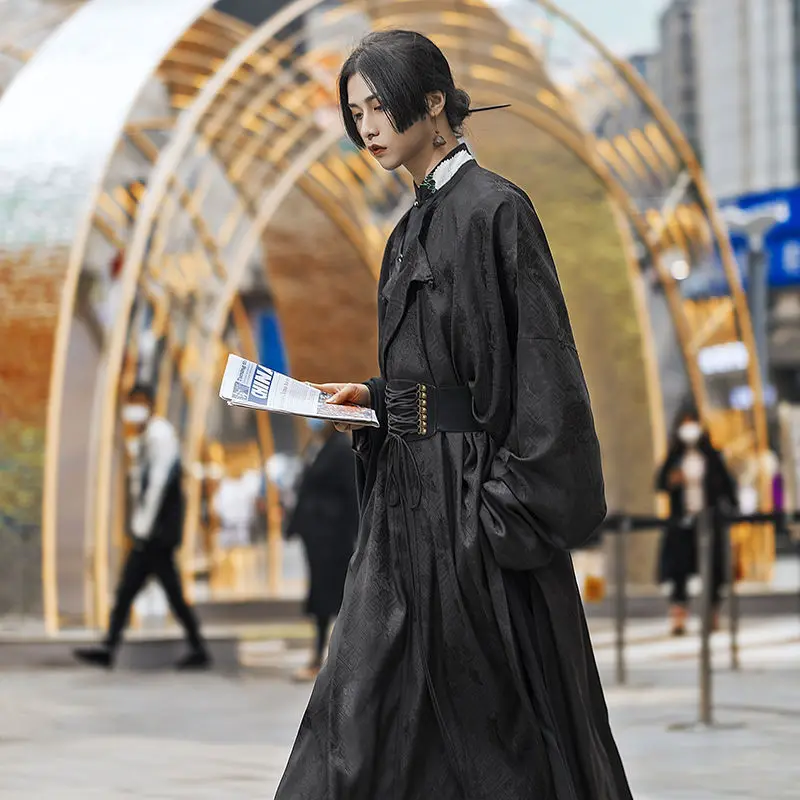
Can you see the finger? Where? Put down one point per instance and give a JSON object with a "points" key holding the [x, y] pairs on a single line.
{"points": [[335, 390], [345, 394]]}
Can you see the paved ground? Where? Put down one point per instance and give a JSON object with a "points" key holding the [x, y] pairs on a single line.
{"points": [[71, 734]]}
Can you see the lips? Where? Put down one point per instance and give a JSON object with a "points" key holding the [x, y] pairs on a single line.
{"points": [[376, 150]]}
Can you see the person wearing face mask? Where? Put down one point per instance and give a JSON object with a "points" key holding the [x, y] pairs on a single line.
{"points": [[155, 525], [695, 477], [325, 517]]}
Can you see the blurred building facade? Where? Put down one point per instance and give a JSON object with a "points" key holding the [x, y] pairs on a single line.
{"points": [[677, 81], [748, 56], [748, 82], [618, 119], [728, 72]]}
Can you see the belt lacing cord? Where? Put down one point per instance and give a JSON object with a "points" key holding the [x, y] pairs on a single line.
{"points": [[403, 413], [404, 418]]}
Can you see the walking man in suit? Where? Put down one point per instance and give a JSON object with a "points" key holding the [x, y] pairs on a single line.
{"points": [[155, 527]]}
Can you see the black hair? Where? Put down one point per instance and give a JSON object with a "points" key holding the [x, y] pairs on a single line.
{"points": [[401, 68], [144, 390], [688, 412]]}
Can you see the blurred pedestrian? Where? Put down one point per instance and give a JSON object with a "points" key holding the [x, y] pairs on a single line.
{"points": [[460, 665], [155, 525], [325, 517], [236, 506], [696, 478]]}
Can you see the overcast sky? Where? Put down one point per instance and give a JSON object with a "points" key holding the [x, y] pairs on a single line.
{"points": [[626, 26]]}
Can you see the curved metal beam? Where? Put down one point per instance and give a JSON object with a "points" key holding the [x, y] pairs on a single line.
{"points": [[567, 138], [53, 156], [158, 185], [208, 96], [213, 260], [269, 205], [576, 143], [191, 435], [687, 156]]}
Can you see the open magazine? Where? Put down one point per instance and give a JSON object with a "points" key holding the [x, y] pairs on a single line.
{"points": [[252, 385]]}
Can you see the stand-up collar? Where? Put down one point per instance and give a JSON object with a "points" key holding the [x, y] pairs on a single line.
{"points": [[443, 172]]}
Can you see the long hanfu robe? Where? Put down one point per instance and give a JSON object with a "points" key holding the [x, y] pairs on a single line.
{"points": [[460, 667]]}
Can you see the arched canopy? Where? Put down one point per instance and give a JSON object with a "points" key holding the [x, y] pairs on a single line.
{"points": [[253, 109]]}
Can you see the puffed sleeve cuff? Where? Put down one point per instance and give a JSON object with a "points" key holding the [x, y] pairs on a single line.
{"points": [[367, 440], [510, 530]]}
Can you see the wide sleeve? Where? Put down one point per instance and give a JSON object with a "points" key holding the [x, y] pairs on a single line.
{"points": [[163, 453], [544, 489], [367, 441], [670, 463]]}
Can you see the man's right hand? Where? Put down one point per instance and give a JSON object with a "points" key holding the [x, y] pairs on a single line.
{"points": [[356, 394]]}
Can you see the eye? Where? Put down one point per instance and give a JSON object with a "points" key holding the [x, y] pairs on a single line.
{"points": [[378, 107], [357, 117]]}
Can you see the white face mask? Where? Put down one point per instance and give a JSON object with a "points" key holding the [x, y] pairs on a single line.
{"points": [[690, 432], [135, 414]]}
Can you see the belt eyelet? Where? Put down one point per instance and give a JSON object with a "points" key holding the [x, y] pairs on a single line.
{"points": [[422, 409]]}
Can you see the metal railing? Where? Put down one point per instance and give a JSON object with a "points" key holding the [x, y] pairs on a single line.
{"points": [[622, 525]]}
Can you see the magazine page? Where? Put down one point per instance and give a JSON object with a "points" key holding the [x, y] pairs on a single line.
{"points": [[252, 385]]}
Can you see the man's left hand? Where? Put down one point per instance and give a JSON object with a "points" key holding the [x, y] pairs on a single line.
{"points": [[139, 527]]}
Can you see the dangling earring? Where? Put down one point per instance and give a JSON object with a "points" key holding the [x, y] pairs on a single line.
{"points": [[438, 139]]}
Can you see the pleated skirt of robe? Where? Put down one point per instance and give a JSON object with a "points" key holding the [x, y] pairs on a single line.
{"points": [[449, 677]]}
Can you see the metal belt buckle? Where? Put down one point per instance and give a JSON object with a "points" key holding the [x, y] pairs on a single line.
{"points": [[422, 409]]}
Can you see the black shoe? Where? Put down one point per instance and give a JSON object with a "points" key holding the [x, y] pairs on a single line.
{"points": [[95, 656], [196, 659]]}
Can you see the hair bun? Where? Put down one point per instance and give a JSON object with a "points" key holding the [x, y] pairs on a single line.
{"points": [[457, 109]]}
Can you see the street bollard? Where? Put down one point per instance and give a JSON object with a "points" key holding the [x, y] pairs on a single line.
{"points": [[705, 542], [733, 598], [620, 598]]}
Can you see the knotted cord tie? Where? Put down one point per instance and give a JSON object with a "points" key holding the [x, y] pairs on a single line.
{"points": [[402, 471], [407, 415]]}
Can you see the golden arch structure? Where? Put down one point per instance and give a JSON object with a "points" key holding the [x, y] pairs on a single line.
{"points": [[233, 157]]}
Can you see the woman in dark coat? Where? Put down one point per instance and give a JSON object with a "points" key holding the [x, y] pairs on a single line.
{"points": [[325, 517], [461, 667], [695, 477]]}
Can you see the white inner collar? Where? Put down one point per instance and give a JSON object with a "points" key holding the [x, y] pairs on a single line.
{"points": [[446, 169]]}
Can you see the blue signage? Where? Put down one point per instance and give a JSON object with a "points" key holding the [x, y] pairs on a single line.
{"points": [[782, 246], [782, 241]]}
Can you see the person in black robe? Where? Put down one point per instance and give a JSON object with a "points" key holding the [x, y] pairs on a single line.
{"points": [[460, 667], [695, 477], [325, 518]]}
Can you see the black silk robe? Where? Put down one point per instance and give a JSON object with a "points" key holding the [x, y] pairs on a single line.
{"points": [[460, 667]]}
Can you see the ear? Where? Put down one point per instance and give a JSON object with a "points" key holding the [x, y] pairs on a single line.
{"points": [[436, 101]]}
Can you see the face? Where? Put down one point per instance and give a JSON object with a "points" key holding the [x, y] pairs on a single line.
{"points": [[390, 148], [690, 431], [135, 414]]}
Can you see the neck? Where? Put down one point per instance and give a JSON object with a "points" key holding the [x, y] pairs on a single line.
{"points": [[422, 164]]}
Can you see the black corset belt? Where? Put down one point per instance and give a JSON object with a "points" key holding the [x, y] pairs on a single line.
{"points": [[417, 411]]}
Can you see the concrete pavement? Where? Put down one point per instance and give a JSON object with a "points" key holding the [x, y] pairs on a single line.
{"points": [[72, 734]]}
